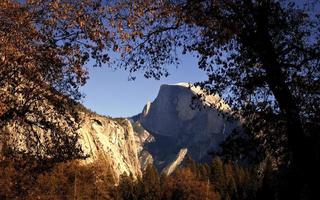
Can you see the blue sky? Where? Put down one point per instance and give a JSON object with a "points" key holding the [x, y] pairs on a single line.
{"points": [[109, 92]]}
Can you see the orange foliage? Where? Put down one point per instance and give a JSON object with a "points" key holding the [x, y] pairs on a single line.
{"points": [[184, 185], [69, 180]]}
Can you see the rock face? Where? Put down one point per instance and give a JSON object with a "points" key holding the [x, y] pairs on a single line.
{"points": [[176, 162], [177, 128], [166, 131], [114, 140], [101, 138]]}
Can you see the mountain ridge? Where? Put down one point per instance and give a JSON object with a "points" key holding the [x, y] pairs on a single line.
{"points": [[166, 131], [176, 125]]}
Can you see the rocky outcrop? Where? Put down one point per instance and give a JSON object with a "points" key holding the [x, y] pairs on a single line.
{"points": [[178, 128], [142, 137], [176, 162], [114, 140], [101, 138], [167, 130]]}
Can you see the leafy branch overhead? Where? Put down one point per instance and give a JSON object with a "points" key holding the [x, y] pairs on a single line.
{"points": [[44, 47], [261, 56]]}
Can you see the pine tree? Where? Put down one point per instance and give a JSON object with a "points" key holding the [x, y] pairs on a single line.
{"points": [[217, 176], [266, 191], [150, 189], [231, 189], [184, 184], [126, 188], [191, 164], [204, 171]]}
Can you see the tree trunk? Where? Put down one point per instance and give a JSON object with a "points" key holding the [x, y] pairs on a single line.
{"points": [[75, 186], [302, 159]]}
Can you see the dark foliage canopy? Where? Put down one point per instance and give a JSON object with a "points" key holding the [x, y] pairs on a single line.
{"points": [[262, 56], [44, 46]]}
